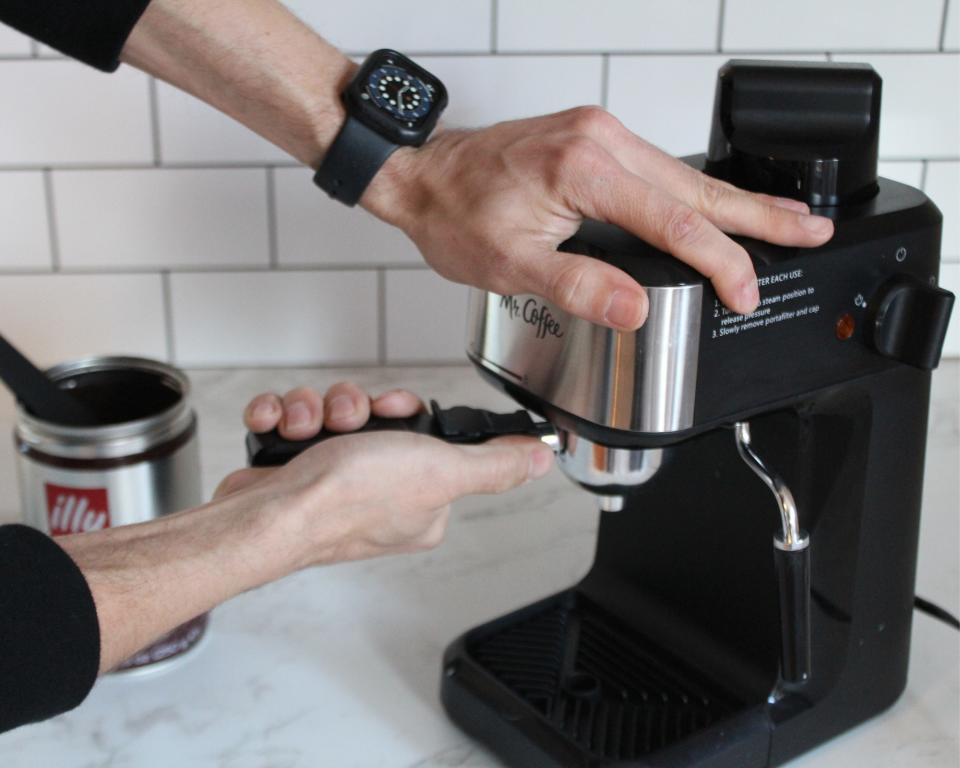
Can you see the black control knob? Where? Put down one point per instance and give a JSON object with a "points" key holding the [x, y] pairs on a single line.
{"points": [[908, 321], [806, 130]]}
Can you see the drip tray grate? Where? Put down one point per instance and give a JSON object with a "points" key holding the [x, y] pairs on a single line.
{"points": [[613, 693]]}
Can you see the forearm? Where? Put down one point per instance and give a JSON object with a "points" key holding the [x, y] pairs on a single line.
{"points": [[148, 578], [253, 60]]}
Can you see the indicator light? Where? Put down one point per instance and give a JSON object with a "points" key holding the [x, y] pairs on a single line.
{"points": [[845, 326]]}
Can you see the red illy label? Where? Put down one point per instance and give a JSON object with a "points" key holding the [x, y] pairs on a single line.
{"points": [[76, 510]]}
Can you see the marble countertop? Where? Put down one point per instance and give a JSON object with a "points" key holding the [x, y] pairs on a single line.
{"points": [[340, 666]]}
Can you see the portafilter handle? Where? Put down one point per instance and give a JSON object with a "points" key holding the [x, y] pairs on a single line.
{"points": [[459, 424], [791, 553]]}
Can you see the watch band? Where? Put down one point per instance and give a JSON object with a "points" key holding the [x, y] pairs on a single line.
{"points": [[351, 162]]}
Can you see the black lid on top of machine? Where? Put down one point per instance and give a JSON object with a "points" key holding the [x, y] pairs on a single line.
{"points": [[806, 130]]}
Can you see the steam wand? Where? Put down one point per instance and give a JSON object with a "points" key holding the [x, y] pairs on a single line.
{"points": [[792, 557]]}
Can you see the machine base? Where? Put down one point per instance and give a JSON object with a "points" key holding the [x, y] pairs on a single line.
{"points": [[562, 684]]}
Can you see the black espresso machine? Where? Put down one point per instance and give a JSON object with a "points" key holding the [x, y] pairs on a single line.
{"points": [[760, 475]]}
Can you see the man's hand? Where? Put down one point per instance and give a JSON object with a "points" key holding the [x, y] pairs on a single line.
{"points": [[377, 493], [347, 498], [486, 207], [490, 207]]}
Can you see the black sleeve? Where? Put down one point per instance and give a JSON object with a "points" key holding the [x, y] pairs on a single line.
{"points": [[49, 632], [92, 31]]}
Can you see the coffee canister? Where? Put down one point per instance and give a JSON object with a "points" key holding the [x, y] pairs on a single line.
{"points": [[138, 462]]}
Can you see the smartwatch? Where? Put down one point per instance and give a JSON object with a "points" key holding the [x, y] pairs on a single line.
{"points": [[391, 102]]}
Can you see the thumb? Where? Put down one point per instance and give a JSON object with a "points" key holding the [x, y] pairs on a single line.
{"points": [[501, 464], [590, 289]]}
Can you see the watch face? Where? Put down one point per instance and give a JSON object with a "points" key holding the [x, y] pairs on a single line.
{"points": [[400, 93]]}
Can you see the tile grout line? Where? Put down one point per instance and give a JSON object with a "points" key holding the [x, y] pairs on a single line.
{"points": [[34, 49], [52, 232], [605, 81], [168, 315], [666, 52], [154, 119], [273, 251], [494, 23], [924, 167], [211, 166], [561, 52], [222, 269], [720, 20], [943, 24], [381, 316], [146, 166]]}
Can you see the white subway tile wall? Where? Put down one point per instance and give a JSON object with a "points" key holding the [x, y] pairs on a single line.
{"points": [[608, 25], [59, 317], [191, 131], [832, 25], [135, 219], [488, 89], [162, 218], [279, 318], [943, 187], [951, 31], [12, 43], [315, 231], [420, 329], [60, 112], [412, 26], [24, 234]]}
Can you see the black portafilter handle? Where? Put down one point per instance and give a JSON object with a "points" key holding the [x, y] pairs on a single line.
{"points": [[460, 424], [793, 578]]}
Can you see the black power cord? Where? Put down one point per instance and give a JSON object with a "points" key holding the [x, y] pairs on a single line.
{"points": [[936, 611]]}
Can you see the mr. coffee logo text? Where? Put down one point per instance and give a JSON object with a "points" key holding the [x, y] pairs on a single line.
{"points": [[532, 312], [76, 510]]}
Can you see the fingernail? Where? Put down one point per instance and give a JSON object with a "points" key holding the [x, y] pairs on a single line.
{"points": [[263, 410], [749, 296], [818, 225], [298, 415], [341, 407], [541, 460], [625, 310]]}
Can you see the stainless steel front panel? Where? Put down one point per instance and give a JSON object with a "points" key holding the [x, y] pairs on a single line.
{"points": [[641, 381]]}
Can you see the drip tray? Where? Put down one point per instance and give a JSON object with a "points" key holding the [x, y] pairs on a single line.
{"points": [[608, 690]]}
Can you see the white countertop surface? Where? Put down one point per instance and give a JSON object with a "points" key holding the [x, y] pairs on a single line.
{"points": [[340, 666]]}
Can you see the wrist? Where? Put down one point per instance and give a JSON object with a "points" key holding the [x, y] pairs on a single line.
{"points": [[392, 195], [296, 523]]}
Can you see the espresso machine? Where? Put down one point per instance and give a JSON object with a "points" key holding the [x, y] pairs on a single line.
{"points": [[759, 475]]}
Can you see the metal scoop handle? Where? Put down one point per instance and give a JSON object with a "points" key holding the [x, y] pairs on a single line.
{"points": [[459, 424]]}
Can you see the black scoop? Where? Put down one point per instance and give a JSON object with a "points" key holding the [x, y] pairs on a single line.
{"points": [[41, 396]]}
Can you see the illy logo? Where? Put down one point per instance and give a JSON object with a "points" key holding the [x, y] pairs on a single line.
{"points": [[76, 510]]}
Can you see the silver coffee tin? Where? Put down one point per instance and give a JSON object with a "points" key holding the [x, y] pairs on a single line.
{"points": [[78, 479], [148, 467]]}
